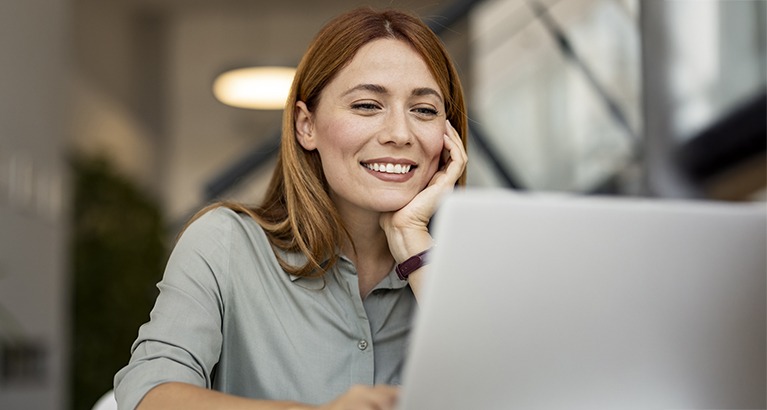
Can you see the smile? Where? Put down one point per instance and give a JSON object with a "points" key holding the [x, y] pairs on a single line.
{"points": [[388, 168]]}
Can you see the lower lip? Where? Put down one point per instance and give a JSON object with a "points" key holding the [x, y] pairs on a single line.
{"points": [[384, 176]]}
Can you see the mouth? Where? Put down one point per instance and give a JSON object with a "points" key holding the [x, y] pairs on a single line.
{"points": [[388, 167]]}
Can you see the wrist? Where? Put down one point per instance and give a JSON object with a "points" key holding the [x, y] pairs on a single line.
{"points": [[412, 264], [404, 244]]}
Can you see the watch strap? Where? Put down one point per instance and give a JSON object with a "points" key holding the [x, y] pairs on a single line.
{"points": [[411, 264]]}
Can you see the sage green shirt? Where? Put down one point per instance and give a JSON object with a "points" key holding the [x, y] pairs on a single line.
{"points": [[229, 318]]}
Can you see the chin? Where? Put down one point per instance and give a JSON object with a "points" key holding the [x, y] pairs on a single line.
{"points": [[392, 204]]}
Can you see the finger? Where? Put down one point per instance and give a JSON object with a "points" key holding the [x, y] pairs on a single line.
{"points": [[381, 397], [455, 138], [455, 166], [362, 397], [385, 397], [453, 134]]}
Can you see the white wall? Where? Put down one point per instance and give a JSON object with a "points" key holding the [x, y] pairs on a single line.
{"points": [[33, 280]]}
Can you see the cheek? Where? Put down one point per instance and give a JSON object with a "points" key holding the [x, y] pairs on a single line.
{"points": [[433, 145], [337, 137]]}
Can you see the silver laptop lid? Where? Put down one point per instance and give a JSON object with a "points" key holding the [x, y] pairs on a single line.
{"points": [[557, 302]]}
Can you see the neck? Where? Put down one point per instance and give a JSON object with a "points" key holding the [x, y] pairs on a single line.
{"points": [[369, 241], [370, 254]]}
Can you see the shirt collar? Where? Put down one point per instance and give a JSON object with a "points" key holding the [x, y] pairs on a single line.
{"points": [[345, 265]]}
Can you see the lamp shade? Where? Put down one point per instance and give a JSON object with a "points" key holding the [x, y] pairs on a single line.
{"points": [[264, 88]]}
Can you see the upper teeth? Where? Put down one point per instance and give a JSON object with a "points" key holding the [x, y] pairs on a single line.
{"points": [[389, 168]]}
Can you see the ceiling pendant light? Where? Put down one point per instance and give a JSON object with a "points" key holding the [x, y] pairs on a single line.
{"points": [[262, 88]]}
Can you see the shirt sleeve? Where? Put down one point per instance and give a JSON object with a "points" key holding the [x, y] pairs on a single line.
{"points": [[182, 340]]}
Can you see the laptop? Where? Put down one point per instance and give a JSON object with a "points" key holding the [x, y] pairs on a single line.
{"points": [[537, 301]]}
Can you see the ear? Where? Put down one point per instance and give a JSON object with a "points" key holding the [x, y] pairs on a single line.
{"points": [[305, 127]]}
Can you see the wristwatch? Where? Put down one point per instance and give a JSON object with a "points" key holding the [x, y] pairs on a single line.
{"points": [[412, 264]]}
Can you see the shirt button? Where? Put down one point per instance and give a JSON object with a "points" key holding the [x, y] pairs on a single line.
{"points": [[362, 344]]}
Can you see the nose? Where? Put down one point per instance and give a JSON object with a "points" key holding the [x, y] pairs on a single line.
{"points": [[397, 129]]}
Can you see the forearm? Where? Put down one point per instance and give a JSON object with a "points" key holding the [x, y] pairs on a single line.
{"points": [[416, 281], [190, 397]]}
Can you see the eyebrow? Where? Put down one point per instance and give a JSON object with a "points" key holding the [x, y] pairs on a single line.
{"points": [[379, 89], [420, 92]]}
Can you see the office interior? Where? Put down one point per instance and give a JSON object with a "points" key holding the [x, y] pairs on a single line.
{"points": [[111, 137]]}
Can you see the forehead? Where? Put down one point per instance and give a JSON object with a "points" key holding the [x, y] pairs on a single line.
{"points": [[393, 64]]}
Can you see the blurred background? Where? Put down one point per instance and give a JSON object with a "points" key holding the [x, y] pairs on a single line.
{"points": [[111, 137]]}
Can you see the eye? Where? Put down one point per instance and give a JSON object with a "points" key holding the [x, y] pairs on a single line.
{"points": [[425, 111], [366, 106]]}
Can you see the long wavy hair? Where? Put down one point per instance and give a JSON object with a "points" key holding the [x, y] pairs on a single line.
{"points": [[297, 213]]}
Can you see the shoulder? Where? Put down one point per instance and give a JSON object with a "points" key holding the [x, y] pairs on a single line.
{"points": [[224, 223], [220, 216], [224, 229], [235, 248], [224, 245]]}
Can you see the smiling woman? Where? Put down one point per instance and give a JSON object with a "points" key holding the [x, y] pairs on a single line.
{"points": [[297, 303]]}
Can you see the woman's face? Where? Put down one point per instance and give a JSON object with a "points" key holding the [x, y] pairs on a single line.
{"points": [[378, 128]]}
